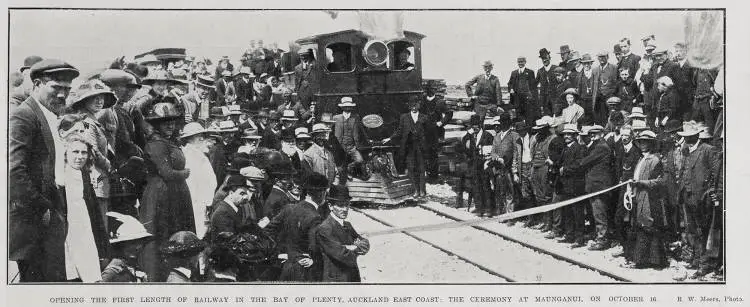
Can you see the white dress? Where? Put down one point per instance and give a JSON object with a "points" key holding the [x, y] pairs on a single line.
{"points": [[81, 255], [202, 185]]}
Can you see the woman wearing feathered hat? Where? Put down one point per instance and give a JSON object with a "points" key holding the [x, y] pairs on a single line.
{"points": [[166, 206]]}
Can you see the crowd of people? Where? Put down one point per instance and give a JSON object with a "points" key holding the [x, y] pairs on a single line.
{"points": [[578, 128], [169, 172], [144, 172]]}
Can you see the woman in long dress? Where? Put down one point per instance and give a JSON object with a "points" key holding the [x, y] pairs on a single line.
{"points": [[166, 206], [86, 242], [646, 245]]}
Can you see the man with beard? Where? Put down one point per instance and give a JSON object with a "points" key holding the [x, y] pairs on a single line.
{"points": [[547, 81], [339, 243], [289, 148], [588, 88], [318, 159], [35, 165], [197, 103], [597, 164], [607, 85], [522, 87]]}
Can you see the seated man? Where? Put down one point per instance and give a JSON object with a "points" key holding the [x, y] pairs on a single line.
{"points": [[340, 63], [403, 60]]}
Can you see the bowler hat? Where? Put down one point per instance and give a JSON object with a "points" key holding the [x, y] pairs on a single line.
{"points": [[564, 49], [339, 194], [90, 89], [53, 66], [30, 61], [316, 181], [543, 53], [586, 58], [235, 181], [183, 244], [239, 161], [474, 120]]}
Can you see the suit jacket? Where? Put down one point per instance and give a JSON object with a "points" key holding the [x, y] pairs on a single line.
{"points": [[628, 92], [339, 125], [607, 80], [472, 151], [598, 166], [294, 231], [632, 62], [572, 180], [515, 83], [547, 87], [244, 92], [488, 90], [699, 173], [625, 161], [224, 219], [668, 68], [504, 148], [319, 160], [299, 110], [31, 178], [584, 87], [270, 139], [684, 86], [276, 201], [411, 135], [307, 81], [339, 263]]}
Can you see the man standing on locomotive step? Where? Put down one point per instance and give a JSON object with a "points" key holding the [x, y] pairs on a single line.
{"points": [[348, 130], [306, 76], [487, 93], [438, 116]]}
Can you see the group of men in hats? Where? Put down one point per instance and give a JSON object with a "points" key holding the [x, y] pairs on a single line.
{"points": [[270, 169]]}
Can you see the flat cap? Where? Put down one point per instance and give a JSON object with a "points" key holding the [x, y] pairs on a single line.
{"points": [[112, 77], [53, 66]]}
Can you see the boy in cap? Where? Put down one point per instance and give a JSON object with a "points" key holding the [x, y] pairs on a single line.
{"points": [[340, 244], [127, 237]]}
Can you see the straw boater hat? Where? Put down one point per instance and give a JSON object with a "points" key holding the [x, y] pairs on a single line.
{"points": [[614, 100], [162, 111], [225, 126], [327, 118], [646, 135], [639, 125], [347, 102], [183, 244], [636, 112], [543, 122], [235, 109], [571, 91], [90, 89], [289, 115], [689, 129], [125, 228], [192, 129], [570, 128], [302, 133], [205, 81], [320, 128]]}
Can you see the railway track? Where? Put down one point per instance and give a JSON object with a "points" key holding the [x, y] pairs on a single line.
{"points": [[490, 251]]}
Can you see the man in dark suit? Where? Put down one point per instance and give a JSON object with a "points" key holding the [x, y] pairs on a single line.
{"points": [[475, 146], [294, 230], [227, 216], [628, 59], [487, 93], [438, 115], [340, 245], [566, 57], [503, 150], [683, 83], [306, 74], [522, 87], [545, 77], [661, 67], [607, 80], [597, 164], [243, 87], [280, 195], [571, 184], [35, 161], [626, 157], [699, 173], [412, 140]]}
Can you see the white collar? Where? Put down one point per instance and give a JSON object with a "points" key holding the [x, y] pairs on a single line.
{"points": [[309, 200], [627, 146], [546, 67], [628, 54], [570, 144], [414, 116], [694, 147], [340, 221], [488, 76], [184, 271], [431, 98], [346, 117], [682, 62]]}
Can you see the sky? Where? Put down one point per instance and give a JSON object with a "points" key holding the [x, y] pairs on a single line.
{"points": [[456, 42]]}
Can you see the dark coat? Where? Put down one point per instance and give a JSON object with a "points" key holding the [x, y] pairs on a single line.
{"points": [[667, 104], [276, 201], [628, 92], [219, 162], [625, 161], [294, 231], [668, 68], [339, 125], [503, 148], [632, 62], [487, 90], [607, 80], [244, 91], [472, 152], [33, 192], [224, 219], [683, 85], [411, 135], [270, 139], [436, 111], [597, 164], [572, 180], [547, 88], [339, 263], [699, 173], [307, 82], [515, 84]]}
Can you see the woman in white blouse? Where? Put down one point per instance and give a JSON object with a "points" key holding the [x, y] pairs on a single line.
{"points": [[573, 112]]}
